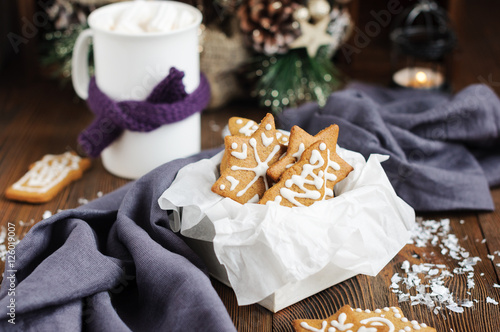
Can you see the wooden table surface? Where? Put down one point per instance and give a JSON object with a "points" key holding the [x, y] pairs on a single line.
{"points": [[37, 118]]}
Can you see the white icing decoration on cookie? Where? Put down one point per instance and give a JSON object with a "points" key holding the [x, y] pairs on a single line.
{"points": [[239, 121], [276, 200], [234, 146], [268, 126], [306, 326], [322, 146], [377, 320], [234, 182], [340, 323], [278, 135], [248, 129], [240, 155], [308, 176], [46, 173], [367, 329], [260, 169], [299, 152], [266, 141], [222, 187]]}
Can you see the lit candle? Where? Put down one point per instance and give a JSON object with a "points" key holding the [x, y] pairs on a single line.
{"points": [[418, 78]]}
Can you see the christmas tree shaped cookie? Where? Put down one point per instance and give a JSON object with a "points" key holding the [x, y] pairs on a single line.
{"points": [[246, 160], [306, 181], [358, 320]]}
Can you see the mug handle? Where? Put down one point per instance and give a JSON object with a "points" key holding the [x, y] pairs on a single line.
{"points": [[80, 64]]}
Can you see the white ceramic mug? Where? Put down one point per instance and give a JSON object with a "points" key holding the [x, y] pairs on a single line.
{"points": [[128, 65]]}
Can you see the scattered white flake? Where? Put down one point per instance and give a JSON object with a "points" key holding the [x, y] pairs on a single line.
{"points": [[470, 283], [467, 304], [496, 286], [498, 264], [30, 223], [46, 214], [405, 266], [433, 272], [462, 222], [455, 308], [490, 300], [99, 194], [491, 257], [82, 201], [426, 283], [483, 241]]}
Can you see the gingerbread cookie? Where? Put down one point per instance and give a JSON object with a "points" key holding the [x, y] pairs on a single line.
{"points": [[305, 182], [358, 320], [301, 140], [246, 127], [47, 177], [243, 177]]}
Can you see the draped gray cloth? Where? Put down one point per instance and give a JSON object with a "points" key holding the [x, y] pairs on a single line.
{"points": [[444, 150], [113, 265]]}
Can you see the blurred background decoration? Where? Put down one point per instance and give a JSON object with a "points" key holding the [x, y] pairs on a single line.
{"points": [[278, 52], [422, 39]]}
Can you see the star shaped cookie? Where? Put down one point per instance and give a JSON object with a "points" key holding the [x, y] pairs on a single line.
{"points": [[245, 163], [357, 320], [305, 182], [246, 127], [300, 140]]}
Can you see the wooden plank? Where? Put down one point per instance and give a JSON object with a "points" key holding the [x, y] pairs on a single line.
{"points": [[490, 224], [248, 318]]}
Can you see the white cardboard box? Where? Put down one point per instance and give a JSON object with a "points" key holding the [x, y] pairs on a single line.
{"points": [[283, 297]]}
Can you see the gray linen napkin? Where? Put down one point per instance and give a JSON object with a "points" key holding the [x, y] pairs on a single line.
{"points": [[444, 150], [113, 265]]}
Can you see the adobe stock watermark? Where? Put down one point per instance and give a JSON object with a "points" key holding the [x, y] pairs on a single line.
{"points": [[10, 272], [30, 28], [362, 38]]}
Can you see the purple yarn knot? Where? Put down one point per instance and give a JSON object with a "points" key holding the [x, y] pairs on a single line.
{"points": [[167, 103]]}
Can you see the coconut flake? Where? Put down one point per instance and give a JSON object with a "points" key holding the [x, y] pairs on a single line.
{"points": [[490, 300]]}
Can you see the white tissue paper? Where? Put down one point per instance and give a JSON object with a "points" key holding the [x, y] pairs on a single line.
{"points": [[272, 250]]}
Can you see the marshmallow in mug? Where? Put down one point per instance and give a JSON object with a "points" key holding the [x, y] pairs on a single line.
{"points": [[141, 18]]}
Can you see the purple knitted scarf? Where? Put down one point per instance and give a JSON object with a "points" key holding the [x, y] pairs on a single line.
{"points": [[167, 103]]}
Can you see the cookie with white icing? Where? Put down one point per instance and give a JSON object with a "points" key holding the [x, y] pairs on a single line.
{"points": [[246, 160], [246, 127], [358, 320], [47, 177], [305, 182], [300, 140]]}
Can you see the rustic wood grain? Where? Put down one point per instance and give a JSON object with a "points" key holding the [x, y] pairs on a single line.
{"points": [[38, 117]]}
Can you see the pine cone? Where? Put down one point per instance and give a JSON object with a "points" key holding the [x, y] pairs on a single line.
{"points": [[269, 25]]}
